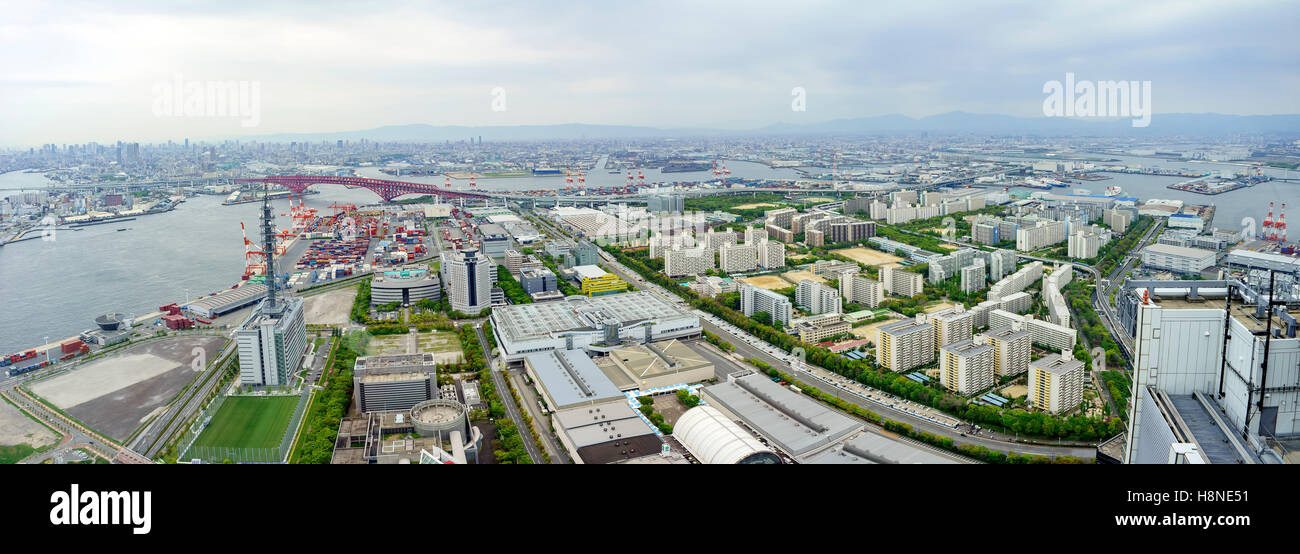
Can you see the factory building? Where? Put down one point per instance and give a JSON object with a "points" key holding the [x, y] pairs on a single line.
{"points": [[398, 382], [754, 299]]}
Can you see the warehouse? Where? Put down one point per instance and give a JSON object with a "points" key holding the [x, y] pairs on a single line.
{"points": [[227, 300], [604, 433], [581, 322], [793, 423], [1178, 259], [655, 365], [713, 438], [872, 448], [568, 378]]}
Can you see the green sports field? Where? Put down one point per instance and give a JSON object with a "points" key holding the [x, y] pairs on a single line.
{"points": [[249, 422]]}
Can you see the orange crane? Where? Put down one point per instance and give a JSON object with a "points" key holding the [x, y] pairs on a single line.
{"points": [[254, 258]]}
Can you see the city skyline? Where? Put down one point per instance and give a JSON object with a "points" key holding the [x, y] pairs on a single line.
{"points": [[80, 73]]}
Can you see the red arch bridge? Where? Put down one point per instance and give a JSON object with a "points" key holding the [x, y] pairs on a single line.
{"points": [[386, 189]]}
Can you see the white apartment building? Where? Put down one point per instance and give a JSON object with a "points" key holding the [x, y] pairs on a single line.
{"points": [[902, 283], [859, 289], [754, 299], [687, 261], [817, 298], [736, 258], [771, 254]]}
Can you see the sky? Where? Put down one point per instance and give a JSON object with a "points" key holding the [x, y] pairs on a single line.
{"points": [[74, 72]]}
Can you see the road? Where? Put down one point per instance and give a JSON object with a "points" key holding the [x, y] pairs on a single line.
{"points": [[503, 390]]}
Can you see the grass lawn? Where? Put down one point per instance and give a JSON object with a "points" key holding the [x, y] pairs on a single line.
{"points": [[11, 454], [249, 422]]}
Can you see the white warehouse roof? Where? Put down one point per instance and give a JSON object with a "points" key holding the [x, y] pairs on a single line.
{"points": [[714, 439]]}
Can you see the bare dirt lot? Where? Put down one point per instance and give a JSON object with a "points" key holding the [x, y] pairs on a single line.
{"points": [[869, 331], [1015, 391], [938, 307], [118, 393], [795, 276], [753, 206], [769, 282], [867, 256], [329, 308], [16, 428]]}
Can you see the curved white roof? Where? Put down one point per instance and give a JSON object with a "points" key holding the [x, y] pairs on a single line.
{"points": [[713, 438]]}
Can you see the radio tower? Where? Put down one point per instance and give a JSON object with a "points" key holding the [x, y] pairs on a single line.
{"points": [[268, 239], [1268, 223]]}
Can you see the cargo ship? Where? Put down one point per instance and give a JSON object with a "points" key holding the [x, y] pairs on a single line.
{"points": [[545, 171]]}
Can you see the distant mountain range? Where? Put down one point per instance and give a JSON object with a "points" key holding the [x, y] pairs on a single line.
{"points": [[952, 123]]}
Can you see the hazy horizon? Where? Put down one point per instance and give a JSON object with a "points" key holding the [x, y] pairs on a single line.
{"points": [[81, 72]]}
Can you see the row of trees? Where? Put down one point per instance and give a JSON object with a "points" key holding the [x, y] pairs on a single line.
{"points": [[509, 448], [514, 291], [321, 423]]}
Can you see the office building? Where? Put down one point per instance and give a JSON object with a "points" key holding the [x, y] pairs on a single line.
{"points": [[817, 298], [736, 258], [905, 344], [467, 276], [967, 367], [494, 239], [392, 383], [406, 286], [537, 280], [271, 342], [1056, 383], [1177, 259], [754, 299]]}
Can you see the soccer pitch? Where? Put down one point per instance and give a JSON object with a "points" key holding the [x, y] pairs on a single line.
{"points": [[249, 422]]}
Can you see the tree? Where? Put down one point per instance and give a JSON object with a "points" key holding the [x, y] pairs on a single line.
{"points": [[763, 317]]}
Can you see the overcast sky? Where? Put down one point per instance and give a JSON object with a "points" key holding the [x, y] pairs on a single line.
{"points": [[73, 72]]}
